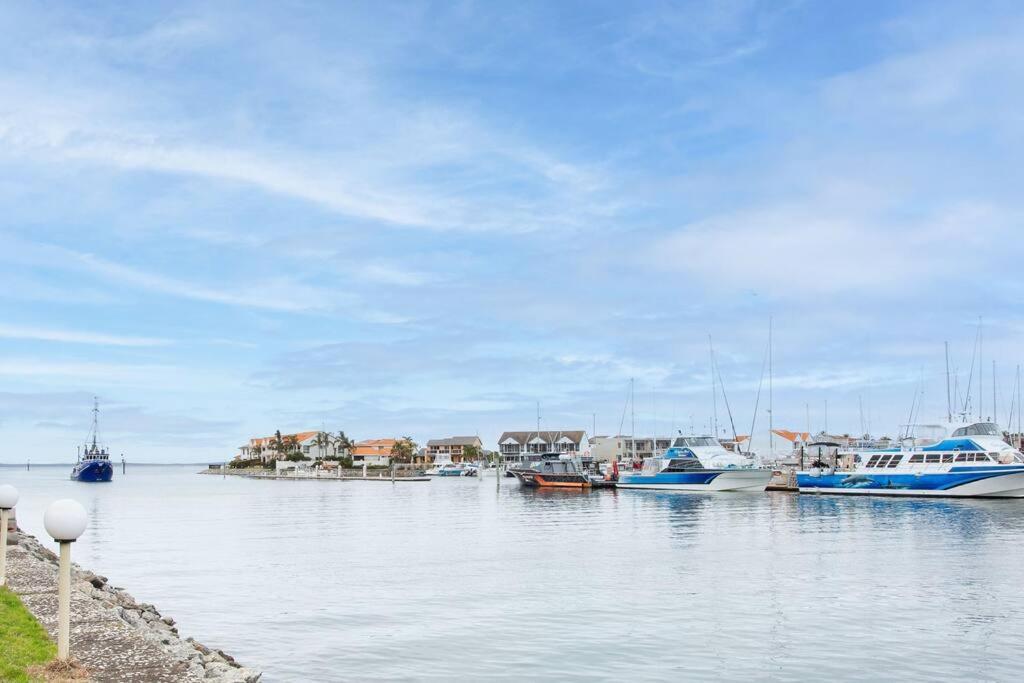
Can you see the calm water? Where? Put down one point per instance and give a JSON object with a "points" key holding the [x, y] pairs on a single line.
{"points": [[452, 580]]}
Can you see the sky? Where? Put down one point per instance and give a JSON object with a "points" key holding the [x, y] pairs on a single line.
{"points": [[425, 219]]}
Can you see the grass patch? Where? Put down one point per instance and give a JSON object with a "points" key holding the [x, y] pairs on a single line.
{"points": [[25, 641]]}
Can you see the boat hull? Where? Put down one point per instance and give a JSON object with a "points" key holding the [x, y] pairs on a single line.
{"points": [[960, 482], [449, 473], [698, 480], [559, 481], [94, 471]]}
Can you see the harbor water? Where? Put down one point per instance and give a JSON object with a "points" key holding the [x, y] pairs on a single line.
{"points": [[453, 580]]}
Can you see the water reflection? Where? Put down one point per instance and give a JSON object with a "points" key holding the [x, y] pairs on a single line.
{"points": [[557, 585]]}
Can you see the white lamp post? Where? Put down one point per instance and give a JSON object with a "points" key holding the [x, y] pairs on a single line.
{"points": [[65, 521], [8, 499]]}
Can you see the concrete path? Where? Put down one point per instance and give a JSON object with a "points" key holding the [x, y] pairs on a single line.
{"points": [[101, 641]]}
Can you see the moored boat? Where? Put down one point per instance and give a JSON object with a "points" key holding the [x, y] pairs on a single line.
{"points": [[448, 469], [697, 463], [558, 473], [93, 460], [945, 460]]}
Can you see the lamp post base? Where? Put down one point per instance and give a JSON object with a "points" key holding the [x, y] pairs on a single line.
{"points": [[64, 601]]}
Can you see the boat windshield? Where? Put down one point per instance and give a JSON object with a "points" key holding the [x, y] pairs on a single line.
{"points": [[695, 442], [978, 429]]}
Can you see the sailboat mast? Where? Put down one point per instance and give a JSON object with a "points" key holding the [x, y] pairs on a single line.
{"points": [[771, 405], [632, 419], [995, 405], [949, 404], [981, 371], [714, 390]]}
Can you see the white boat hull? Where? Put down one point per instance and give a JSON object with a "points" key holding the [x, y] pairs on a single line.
{"points": [[721, 480]]}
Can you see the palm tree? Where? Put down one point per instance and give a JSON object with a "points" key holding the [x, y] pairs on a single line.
{"points": [[277, 444], [342, 444], [323, 440]]}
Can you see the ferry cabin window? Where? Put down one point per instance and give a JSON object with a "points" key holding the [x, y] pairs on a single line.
{"points": [[917, 458], [873, 461], [933, 457], [961, 457], [895, 460]]}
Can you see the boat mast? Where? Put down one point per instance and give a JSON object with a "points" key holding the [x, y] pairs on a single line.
{"points": [[995, 405], [860, 404], [95, 420], [771, 423], [949, 405], [632, 421], [981, 371], [714, 390]]}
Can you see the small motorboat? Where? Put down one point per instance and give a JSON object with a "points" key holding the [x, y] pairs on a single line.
{"points": [[448, 469]]}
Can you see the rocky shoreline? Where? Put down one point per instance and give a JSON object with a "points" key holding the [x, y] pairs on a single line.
{"points": [[116, 617]]}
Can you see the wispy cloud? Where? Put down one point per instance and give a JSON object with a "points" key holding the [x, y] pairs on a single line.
{"points": [[77, 337]]}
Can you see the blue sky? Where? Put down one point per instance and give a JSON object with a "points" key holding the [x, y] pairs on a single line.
{"points": [[415, 218]]}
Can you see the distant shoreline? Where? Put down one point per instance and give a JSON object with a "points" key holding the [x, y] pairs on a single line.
{"points": [[127, 462]]}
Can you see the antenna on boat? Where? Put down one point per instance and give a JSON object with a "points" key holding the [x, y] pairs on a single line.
{"points": [[949, 403]]}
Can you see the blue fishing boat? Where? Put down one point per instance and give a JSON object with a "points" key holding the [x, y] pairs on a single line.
{"points": [[697, 463], [93, 459], [968, 460]]}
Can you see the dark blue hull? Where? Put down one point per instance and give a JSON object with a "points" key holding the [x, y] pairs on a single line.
{"points": [[94, 470]]}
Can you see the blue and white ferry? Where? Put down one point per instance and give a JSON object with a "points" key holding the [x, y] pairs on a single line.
{"points": [[697, 463], [94, 460], [955, 460]]}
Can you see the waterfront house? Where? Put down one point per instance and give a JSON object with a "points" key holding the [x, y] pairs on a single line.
{"points": [[265, 447], [515, 446], [452, 449], [373, 451], [620, 448]]}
